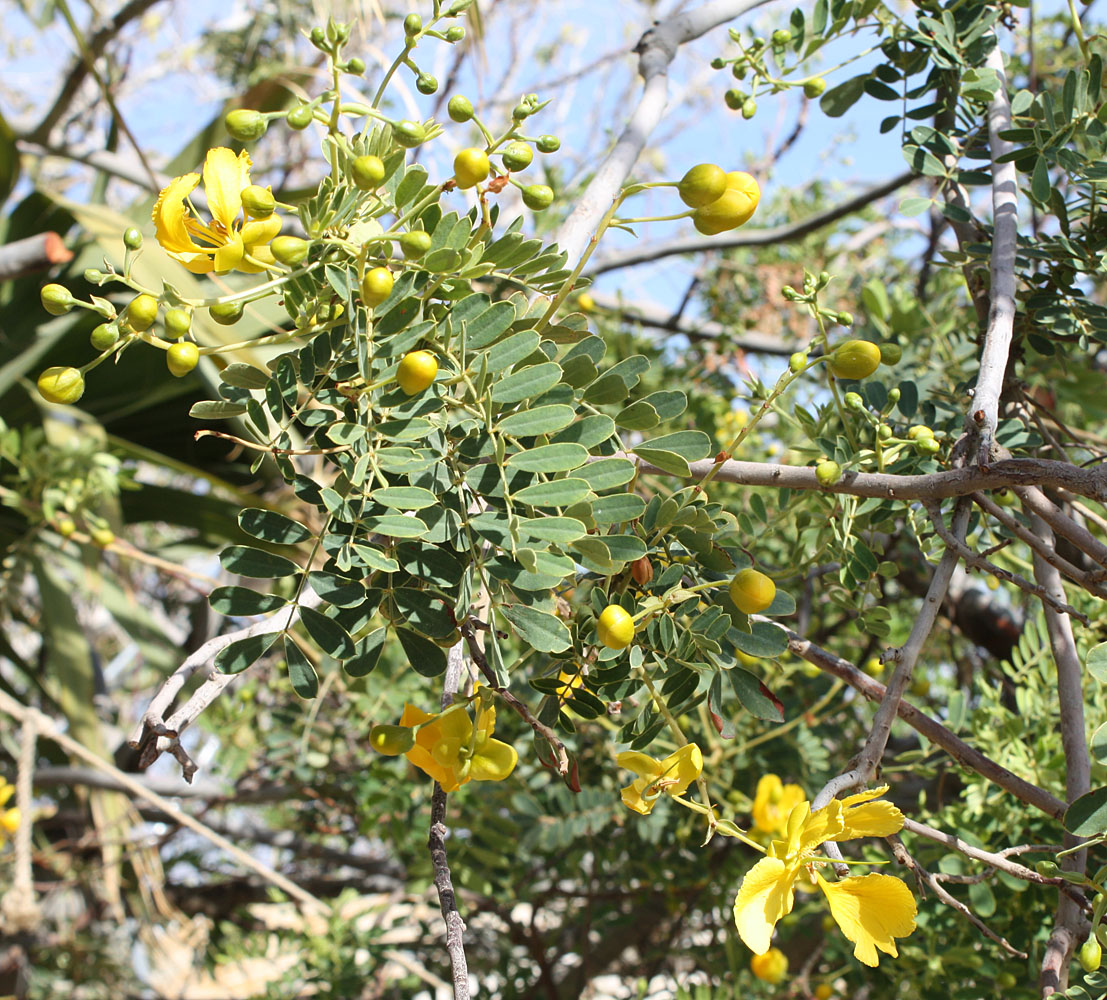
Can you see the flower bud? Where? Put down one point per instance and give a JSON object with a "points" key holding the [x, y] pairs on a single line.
{"points": [[355, 66], [300, 117], [927, 446], [408, 134], [734, 99], [93, 275], [718, 63], [182, 357], [413, 24], [455, 33], [61, 385], [797, 362], [245, 125], [415, 243], [749, 108], [289, 250], [1091, 955], [828, 473], [548, 144], [226, 313], [919, 431], [258, 201], [425, 83], [782, 36], [893, 394], [845, 319], [177, 323], [460, 109], [66, 526], [1048, 869], [391, 740], [853, 401], [317, 36], [814, 88], [57, 300], [642, 571], [517, 156], [520, 111], [884, 432], [538, 197], [890, 354], [141, 312], [102, 536], [104, 337], [367, 172], [132, 238]]}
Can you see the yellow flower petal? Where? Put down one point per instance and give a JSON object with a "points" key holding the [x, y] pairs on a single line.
{"points": [[866, 796], [230, 254], [495, 761], [763, 898], [9, 820], [170, 212], [872, 910], [826, 824], [633, 796], [641, 764], [873, 819], [254, 233], [681, 769], [225, 175]]}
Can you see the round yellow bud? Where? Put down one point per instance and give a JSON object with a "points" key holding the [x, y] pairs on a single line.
{"points": [[417, 371], [376, 286], [181, 358], [752, 591], [615, 628], [141, 312], [61, 384], [771, 967]]}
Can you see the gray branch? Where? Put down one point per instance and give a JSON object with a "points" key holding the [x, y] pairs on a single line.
{"points": [[1069, 927], [656, 50], [967, 756], [984, 412], [648, 252]]}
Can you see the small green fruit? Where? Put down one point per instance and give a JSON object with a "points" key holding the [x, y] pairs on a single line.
{"points": [[355, 66], [460, 109], [132, 238], [413, 24], [537, 197], [455, 33], [245, 125], [734, 99], [782, 36], [797, 362], [548, 144], [57, 300], [426, 84]]}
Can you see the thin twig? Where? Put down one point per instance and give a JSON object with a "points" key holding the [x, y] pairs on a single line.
{"points": [[1036, 502], [18, 908], [968, 757], [868, 761], [977, 560], [904, 857]]}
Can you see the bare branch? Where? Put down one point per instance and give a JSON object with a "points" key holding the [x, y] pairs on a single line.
{"points": [[19, 910], [977, 560], [1070, 927], [984, 413], [649, 252], [1035, 501], [35, 253], [968, 757], [926, 878], [656, 50]]}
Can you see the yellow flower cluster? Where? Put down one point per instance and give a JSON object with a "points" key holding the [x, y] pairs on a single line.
{"points": [[871, 910], [773, 804], [9, 818], [670, 776]]}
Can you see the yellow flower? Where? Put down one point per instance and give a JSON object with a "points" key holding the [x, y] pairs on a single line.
{"points": [[230, 241], [9, 818], [771, 967], [670, 776], [452, 751], [871, 910], [773, 804]]}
